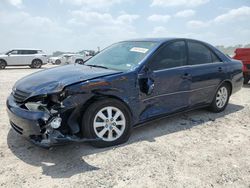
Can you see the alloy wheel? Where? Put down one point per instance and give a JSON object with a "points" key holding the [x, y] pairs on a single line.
{"points": [[109, 123], [36, 64], [221, 97]]}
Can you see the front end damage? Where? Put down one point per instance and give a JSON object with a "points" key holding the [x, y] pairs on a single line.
{"points": [[47, 120]]}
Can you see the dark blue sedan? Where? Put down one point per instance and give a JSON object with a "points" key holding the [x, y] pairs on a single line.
{"points": [[124, 85]]}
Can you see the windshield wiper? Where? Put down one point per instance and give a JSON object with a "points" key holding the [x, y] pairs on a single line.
{"points": [[99, 66]]}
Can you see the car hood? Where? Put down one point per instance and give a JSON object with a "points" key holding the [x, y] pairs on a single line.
{"points": [[55, 79], [3, 55]]}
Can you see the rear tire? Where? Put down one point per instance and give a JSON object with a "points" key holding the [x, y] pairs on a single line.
{"points": [[246, 80], [36, 64], [2, 64], [109, 120], [221, 98]]}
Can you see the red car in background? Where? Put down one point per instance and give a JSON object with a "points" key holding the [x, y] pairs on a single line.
{"points": [[243, 54]]}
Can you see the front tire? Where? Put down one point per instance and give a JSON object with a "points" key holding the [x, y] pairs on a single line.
{"points": [[109, 120], [79, 61], [221, 98]]}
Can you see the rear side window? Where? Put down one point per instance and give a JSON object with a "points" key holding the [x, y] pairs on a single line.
{"points": [[22, 52], [172, 55], [200, 54], [28, 52]]}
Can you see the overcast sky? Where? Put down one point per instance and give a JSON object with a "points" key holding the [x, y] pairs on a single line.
{"points": [[73, 25]]}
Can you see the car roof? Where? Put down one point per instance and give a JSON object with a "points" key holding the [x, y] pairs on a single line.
{"points": [[243, 49], [27, 49], [161, 40], [151, 39]]}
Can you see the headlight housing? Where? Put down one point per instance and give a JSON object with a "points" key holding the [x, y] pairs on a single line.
{"points": [[36, 107], [57, 97]]}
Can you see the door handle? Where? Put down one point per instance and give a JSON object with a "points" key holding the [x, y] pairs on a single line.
{"points": [[187, 76], [220, 69]]}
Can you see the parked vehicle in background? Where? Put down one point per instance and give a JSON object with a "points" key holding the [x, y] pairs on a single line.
{"points": [[34, 58], [124, 85], [68, 59], [243, 54], [88, 52]]}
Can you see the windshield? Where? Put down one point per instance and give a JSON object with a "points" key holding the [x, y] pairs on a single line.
{"points": [[122, 56]]}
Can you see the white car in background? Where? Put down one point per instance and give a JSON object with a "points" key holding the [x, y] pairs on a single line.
{"points": [[34, 58], [68, 59]]}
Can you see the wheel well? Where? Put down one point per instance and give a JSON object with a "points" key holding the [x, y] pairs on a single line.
{"points": [[37, 60], [3, 61], [103, 97], [230, 85]]}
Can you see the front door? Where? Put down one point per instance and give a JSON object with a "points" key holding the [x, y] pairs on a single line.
{"points": [[13, 58], [164, 84]]}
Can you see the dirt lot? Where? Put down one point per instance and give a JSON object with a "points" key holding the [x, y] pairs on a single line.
{"points": [[196, 149]]}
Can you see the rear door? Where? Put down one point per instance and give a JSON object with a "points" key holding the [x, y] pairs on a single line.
{"points": [[207, 72], [28, 56]]}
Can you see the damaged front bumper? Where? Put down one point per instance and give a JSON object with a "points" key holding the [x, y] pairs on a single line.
{"points": [[35, 126], [56, 138]]}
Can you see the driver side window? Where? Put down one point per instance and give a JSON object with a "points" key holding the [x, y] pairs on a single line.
{"points": [[170, 56], [13, 52]]}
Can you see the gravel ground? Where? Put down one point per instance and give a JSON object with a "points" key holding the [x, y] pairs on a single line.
{"points": [[195, 149]]}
